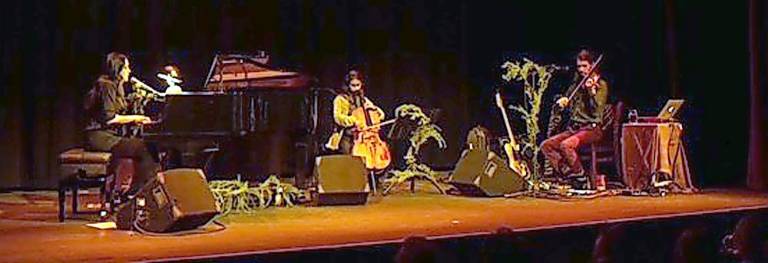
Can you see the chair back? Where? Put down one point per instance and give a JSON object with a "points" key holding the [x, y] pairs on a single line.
{"points": [[613, 117], [613, 126], [618, 121]]}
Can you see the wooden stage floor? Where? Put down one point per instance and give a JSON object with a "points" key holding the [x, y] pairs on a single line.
{"points": [[30, 231]]}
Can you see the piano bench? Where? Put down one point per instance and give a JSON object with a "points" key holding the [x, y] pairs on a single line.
{"points": [[80, 169]]}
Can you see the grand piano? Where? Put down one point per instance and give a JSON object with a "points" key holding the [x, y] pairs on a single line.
{"points": [[251, 121]]}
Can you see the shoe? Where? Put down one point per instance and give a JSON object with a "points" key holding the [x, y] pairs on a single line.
{"points": [[576, 176], [577, 180]]}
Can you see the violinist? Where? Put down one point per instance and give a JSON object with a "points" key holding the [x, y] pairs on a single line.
{"points": [[350, 98], [586, 108]]}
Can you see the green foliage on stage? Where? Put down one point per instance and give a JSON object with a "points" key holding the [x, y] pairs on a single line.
{"points": [[422, 133], [235, 196], [535, 81]]}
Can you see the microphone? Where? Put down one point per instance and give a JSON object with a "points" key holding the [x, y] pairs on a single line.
{"points": [[564, 68], [142, 85]]}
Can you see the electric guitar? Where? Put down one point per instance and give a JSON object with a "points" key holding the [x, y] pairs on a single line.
{"points": [[511, 148]]}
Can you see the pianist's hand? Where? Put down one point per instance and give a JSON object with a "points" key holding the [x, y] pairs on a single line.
{"points": [[141, 119], [129, 119]]}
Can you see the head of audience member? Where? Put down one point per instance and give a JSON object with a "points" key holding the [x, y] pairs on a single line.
{"points": [[417, 249]]}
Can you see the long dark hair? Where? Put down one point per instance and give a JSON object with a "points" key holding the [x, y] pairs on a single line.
{"points": [[114, 64], [352, 74]]}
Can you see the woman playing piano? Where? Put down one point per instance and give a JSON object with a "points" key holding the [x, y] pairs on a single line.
{"points": [[107, 110]]}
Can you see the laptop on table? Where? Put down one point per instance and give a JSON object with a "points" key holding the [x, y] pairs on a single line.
{"points": [[667, 113]]}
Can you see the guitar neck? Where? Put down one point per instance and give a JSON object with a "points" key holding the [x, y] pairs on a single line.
{"points": [[508, 126]]}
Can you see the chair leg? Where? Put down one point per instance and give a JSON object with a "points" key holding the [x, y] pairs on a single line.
{"points": [[593, 173], [62, 200], [373, 182], [106, 198], [594, 161], [75, 190]]}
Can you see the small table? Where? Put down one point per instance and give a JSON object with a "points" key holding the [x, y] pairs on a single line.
{"points": [[654, 148]]}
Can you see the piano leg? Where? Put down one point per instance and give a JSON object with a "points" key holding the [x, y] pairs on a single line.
{"points": [[279, 143], [304, 160], [190, 154]]}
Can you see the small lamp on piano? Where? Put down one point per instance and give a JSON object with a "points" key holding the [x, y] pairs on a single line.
{"points": [[171, 76]]}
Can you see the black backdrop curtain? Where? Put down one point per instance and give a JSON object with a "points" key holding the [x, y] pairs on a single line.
{"points": [[758, 70], [438, 54]]}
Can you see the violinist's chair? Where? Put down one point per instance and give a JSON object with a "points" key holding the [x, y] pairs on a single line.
{"points": [[608, 149]]}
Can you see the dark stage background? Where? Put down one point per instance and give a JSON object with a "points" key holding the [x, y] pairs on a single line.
{"points": [[437, 54]]}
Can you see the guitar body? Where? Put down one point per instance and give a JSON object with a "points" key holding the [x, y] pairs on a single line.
{"points": [[516, 165], [368, 144]]}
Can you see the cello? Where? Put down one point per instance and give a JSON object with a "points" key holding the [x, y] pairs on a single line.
{"points": [[368, 144]]}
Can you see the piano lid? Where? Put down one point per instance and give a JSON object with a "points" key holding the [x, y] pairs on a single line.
{"points": [[233, 72]]}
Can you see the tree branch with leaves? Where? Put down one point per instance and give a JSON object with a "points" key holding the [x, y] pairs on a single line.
{"points": [[424, 131], [535, 80], [235, 196]]}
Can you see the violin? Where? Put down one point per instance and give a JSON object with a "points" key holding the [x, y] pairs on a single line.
{"points": [[368, 144]]}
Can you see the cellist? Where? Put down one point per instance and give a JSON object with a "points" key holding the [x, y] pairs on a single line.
{"points": [[350, 98]]}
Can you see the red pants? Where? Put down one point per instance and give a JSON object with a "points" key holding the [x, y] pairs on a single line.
{"points": [[563, 146]]}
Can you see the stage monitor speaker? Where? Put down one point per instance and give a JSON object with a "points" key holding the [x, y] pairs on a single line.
{"points": [[483, 173], [175, 200], [341, 180]]}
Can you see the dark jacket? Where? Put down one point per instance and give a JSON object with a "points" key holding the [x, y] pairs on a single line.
{"points": [[105, 100], [587, 108]]}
